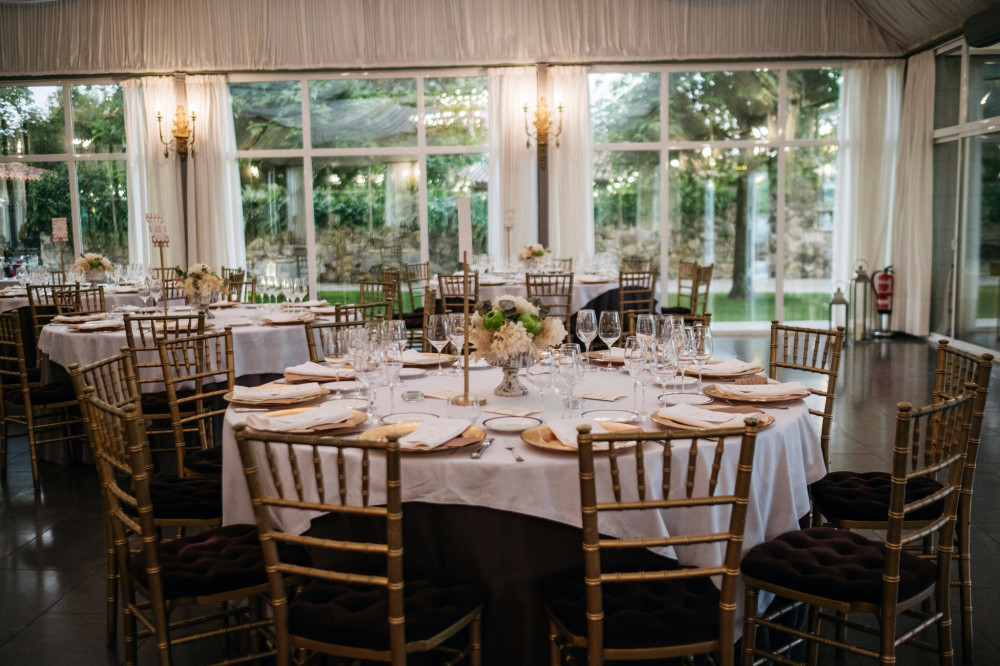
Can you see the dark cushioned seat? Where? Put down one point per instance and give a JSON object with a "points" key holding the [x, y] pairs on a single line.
{"points": [[157, 403], [213, 561], [413, 320], [207, 462], [42, 395], [193, 497], [865, 496], [675, 309], [836, 564], [358, 615], [653, 614]]}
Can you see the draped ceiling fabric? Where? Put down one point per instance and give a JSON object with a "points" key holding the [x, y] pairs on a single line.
{"points": [[126, 36]]}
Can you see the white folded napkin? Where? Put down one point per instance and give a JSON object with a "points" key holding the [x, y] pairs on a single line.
{"points": [[565, 429], [481, 363], [615, 354], [433, 433], [270, 392], [99, 325], [413, 356], [326, 414], [701, 418], [76, 319], [311, 369], [307, 304], [280, 317], [789, 389], [732, 366], [323, 309], [125, 290]]}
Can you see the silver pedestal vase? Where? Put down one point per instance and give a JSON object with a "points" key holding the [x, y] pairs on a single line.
{"points": [[511, 386]]}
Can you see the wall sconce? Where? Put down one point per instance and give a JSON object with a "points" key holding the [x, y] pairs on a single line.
{"points": [[543, 129], [183, 132]]}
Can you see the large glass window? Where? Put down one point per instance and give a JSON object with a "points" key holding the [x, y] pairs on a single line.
{"points": [[274, 216], [89, 169]]}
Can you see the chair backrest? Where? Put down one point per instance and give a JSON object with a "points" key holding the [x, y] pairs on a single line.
{"points": [[142, 332], [165, 274], [937, 435], [173, 290], [356, 313], [636, 264], [636, 292], [45, 302], [198, 370], [233, 274], [391, 276], [563, 265], [377, 292], [430, 308], [693, 284], [810, 350], [418, 278], [280, 477], [112, 380], [13, 361], [242, 291], [686, 470], [555, 291], [320, 333], [451, 290], [92, 300]]}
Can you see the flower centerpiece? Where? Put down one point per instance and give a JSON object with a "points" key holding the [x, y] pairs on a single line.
{"points": [[202, 284], [93, 265], [533, 251], [507, 331]]}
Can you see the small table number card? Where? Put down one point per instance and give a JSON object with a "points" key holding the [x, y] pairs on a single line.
{"points": [[60, 233], [157, 230]]}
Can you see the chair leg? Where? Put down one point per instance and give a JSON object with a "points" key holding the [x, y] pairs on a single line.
{"points": [[749, 626], [112, 584], [813, 647], [555, 655], [3, 448], [32, 452], [476, 636], [946, 650], [965, 581]]}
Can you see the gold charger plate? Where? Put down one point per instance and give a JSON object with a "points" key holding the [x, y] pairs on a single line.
{"points": [[278, 402], [350, 425], [598, 356], [764, 419], [763, 399], [471, 435], [543, 437], [446, 359]]}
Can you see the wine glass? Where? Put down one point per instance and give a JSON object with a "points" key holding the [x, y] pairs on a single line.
{"points": [[156, 292], [609, 329], [286, 288], [685, 353], [437, 335], [635, 363], [456, 333], [566, 372], [586, 330], [392, 364], [368, 369], [664, 362], [394, 330], [702, 347], [645, 329], [336, 352], [143, 290], [300, 289], [539, 375]]}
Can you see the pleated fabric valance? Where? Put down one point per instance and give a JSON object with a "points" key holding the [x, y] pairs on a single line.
{"points": [[130, 36]]}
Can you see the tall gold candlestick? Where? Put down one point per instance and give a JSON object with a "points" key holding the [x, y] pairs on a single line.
{"points": [[465, 320]]}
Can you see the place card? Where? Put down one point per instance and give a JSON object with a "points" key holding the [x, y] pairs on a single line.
{"points": [[512, 411], [157, 230], [443, 394], [605, 397], [60, 233]]}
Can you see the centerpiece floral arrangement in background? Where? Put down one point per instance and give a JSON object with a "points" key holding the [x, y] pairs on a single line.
{"points": [[93, 262], [201, 281], [534, 251]]}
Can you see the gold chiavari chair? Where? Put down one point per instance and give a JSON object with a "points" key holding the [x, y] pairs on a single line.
{"points": [[629, 603], [860, 499], [235, 274], [319, 334], [198, 370], [636, 292], [173, 291], [209, 569], [325, 615], [843, 572], [377, 292], [418, 278], [391, 276], [693, 284], [45, 302], [816, 351], [92, 300], [242, 291], [49, 412], [451, 291], [430, 308], [636, 264], [165, 274], [555, 291], [368, 312], [58, 275], [563, 265]]}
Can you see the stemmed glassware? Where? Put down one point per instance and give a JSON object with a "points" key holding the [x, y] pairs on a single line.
{"points": [[392, 364], [539, 375], [456, 333], [368, 369], [156, 291], [685, 353], [609, 329], [394, 330], [636, 362], [437, 335], [286, 288], [143, 290], [566, 372], [645, 329], [586, 330], [300, 289], [702, 347], [664, 361], [336, 350]]}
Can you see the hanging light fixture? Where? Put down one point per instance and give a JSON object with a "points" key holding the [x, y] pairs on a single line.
{"points": [[183, 133]]}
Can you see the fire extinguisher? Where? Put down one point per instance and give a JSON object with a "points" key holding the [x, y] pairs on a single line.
{"points": [[883, 282]]}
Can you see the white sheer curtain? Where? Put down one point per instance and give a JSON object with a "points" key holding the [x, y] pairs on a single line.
{"points": [[513, 176], [870, 100], [215, 213], [154, 183], [571, 209], [912, 237]]}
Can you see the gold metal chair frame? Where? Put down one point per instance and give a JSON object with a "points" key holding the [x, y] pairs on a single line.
{"points": [[679, 498], [267, 490], [693, 284], [452, 294], [636, 293], [418, 278], [553, 290], [319, 332], [636, 265], [941, 431]]}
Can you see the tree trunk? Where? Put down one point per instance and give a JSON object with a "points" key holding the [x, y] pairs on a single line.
{"points": [[741, 251]]}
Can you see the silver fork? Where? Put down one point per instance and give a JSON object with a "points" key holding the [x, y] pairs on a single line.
{"points": [[510, 447]]}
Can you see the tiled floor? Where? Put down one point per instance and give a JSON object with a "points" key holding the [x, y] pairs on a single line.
{"points": [[52, 556]]}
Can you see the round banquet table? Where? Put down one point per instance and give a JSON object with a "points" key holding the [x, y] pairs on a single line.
{"points": [[258, 349], [511, 523], [585, 290], [112, 300]]}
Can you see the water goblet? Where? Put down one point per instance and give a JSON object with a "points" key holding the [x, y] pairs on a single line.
{"points": [[456, 333], [685, 353], [566, 372], [368, 369], [336, 351], [143, 290], [635, 363], [394, 330], [586, 330], [437, 335], [539, 375], [702, 347], [156, 292], [392, 364], [609, 329], [645, 329]]}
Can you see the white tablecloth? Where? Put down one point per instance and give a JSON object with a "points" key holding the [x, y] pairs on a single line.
{"points": [[583, 292], [546, 484], [111, 301], [257, 349]]}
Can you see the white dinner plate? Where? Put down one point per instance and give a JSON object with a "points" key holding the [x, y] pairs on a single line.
{"points": [[511, 424], [407, 417], [616, 415], [407, 373], [685, 399], [238, 322]]}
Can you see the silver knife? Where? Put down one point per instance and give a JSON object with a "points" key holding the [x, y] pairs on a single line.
{"points": [[479, 452]]}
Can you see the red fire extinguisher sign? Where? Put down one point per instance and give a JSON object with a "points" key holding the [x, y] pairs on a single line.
{"points": [[883, 282]]}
